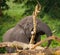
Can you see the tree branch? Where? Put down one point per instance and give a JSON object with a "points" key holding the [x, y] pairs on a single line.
{"points": [[35, 13]]}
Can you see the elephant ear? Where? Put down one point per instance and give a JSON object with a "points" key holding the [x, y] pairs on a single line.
{"points": [[28, 27]]}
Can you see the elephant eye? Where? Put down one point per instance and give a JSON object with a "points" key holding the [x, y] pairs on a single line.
{"points": [[32, 29]]}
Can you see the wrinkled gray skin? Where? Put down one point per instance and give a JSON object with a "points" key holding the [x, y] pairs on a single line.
{"points": [[22, 31]]}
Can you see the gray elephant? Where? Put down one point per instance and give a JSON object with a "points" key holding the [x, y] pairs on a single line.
{"points": [[22, 31]]}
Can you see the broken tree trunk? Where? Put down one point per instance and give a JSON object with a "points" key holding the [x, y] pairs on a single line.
{"points": [[28, 49]]}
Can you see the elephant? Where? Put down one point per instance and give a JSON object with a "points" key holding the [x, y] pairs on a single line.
{"points": [[22, 31]]}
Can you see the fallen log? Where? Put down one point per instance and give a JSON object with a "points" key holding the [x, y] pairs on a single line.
{"points": [[24, 45], [18, 45], [36, 51]]}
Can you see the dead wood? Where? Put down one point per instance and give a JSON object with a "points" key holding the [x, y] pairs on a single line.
{"points": [[36, 51], [35, 13], [49, 38], [24, 45]]}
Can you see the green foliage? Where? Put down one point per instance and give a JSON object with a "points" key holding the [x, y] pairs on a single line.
{"points": [[51, 7], [26, 7]]}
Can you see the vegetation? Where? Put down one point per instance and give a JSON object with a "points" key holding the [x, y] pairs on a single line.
{"points": [[49, 14]]}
